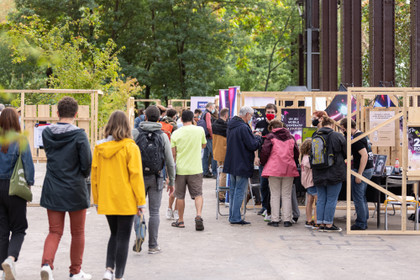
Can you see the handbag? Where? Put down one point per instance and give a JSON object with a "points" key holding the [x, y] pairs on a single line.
{"points": [[140, 229], [18, 185]]}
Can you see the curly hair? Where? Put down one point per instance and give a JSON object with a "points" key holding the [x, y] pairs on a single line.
{"points": [[305, 148], [67, 107]]}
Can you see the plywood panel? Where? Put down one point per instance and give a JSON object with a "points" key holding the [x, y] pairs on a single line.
{"points": [[30, 112], [84, 113]]}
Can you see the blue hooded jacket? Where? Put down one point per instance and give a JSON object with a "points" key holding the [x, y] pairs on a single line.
{"points": [[241, 145]]}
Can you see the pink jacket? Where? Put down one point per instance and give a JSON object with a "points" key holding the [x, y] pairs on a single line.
{"points": [[306, 177], [279, 154]]}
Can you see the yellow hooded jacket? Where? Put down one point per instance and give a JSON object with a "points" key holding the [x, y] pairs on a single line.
{"points": [[117, 178]]}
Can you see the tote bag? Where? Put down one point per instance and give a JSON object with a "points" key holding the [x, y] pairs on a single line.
{"points": [[18, 185]]}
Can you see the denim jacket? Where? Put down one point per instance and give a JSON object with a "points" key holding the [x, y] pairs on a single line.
{"points": [[8, 162]]}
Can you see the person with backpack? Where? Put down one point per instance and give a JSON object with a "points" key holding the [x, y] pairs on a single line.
{"points": [[13, 222], [187, 143], [362, 164], [118, 189], [168, 122], [278, 156], [206, 122], [328, 152], [156, 152], [219, 145]]}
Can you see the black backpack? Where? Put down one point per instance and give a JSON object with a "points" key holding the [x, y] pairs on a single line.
{"points": [[202, 122], [152, 151], [322, 154]]}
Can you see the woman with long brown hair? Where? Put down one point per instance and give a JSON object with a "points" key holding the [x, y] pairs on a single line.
{"points": [[118, 189], [12, 208]]}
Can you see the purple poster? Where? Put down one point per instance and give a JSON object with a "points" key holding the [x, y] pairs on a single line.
{"points": [[294, 118]]}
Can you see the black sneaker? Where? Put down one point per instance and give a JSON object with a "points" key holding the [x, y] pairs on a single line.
{"points": [[294, 220], [356, 227], [199, 225], [332, 228], [287, 224], [208, 175], [321, 228], [309, 224], [273, 224]]}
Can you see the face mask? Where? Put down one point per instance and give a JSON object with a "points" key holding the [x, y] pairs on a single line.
{"points": [[270, 116], [250, 121], [212, 111], [315, 122]]}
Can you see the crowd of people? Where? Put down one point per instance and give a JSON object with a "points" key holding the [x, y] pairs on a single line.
{"points": [[176, 151]]}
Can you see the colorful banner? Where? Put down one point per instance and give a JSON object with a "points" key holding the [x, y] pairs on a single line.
{"points": [[338, 107], [228, 99], [414, 148]]}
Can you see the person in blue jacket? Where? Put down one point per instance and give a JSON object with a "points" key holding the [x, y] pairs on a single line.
{"points": [[12, 208], [239, 160]]}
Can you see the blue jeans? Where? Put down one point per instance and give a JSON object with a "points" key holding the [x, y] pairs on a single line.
{"points": [[358, 192], [208, 152], [265, 192], [237, 189], [327, 201]]}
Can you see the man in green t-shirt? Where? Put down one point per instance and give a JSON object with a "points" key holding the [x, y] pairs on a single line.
{"points": [[186, 144]]}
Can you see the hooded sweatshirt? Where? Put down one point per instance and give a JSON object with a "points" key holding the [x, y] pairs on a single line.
{"points": [[279, 154], [169, 159], [68, 165], [219, 127], [241, 145], [117, 177]]}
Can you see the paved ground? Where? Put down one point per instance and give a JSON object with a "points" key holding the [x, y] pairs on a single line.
{"points": [[223, 251]]}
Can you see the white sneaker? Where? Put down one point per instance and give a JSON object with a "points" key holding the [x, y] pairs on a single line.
{"points": [[264, 213], [176, 216], [108, 275], [169, 214], [154, 250], [46, 273], [9, 271], [267, 218], [81, 276]]}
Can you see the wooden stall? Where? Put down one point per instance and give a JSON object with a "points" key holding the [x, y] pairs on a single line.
{"points": [[131, 107], [32, 115]]}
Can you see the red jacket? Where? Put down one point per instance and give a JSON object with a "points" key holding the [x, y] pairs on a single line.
{"points": [[279, 154]]}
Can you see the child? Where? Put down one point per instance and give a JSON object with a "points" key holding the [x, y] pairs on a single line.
{"points": [[307, 182]]}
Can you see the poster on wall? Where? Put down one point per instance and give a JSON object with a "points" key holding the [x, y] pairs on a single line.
{"points": [[259, 115], [385, 136], [38, 129], [307, 132], [294, 118], [413, 149], [338, 107], [200, 102]]}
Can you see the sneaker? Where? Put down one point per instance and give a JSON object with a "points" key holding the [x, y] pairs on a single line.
{"points": [[9, 269], [80, 276], [294, 220], [176, 216], [155, 250], [315, 226], [356, 227], [46, 273], [287, 224], [321, 228], [273, 224], [169, 214], [108, 275], [264, 213], [199, 226], [309, 224], [261, 212], [267, 218], [332, 229], [208, 175]]}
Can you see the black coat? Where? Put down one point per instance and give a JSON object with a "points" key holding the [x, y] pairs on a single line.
{"points": [[241, 145], [219, 127], [336, 173], [69, 160]]}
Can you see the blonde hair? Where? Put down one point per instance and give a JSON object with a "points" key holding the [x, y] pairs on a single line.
{"points": [[118, 126], [305, 148]]}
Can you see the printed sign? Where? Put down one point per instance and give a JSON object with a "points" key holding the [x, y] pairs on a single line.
{"points": [[294, 118], [385, 136], [38, 129]]}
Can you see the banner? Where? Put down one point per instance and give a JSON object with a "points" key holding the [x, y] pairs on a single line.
{"points": [[338, 107], [228, 99], [414, 148], [200, 102], [294, 118]]}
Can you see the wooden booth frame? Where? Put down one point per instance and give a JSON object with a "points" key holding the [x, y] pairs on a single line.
{"points": [[131, 105], [401, 112], [87, 117]]}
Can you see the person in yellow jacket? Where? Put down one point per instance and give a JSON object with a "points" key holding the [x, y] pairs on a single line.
{"points": [[118, 189]]}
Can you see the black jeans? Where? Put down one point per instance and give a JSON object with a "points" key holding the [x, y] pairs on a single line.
{"points": [[12, 220], [116, 256]]}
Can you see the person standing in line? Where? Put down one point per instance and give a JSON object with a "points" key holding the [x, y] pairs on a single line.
{"points": [[308, 183], [329, 180], [154, 182], [262, 126], [140, 118], [65, 189], [118, 189], [219, 145], [206, 122], [279, 155], [186, 144], [362, 164], [239, 160], [13, 223]]}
